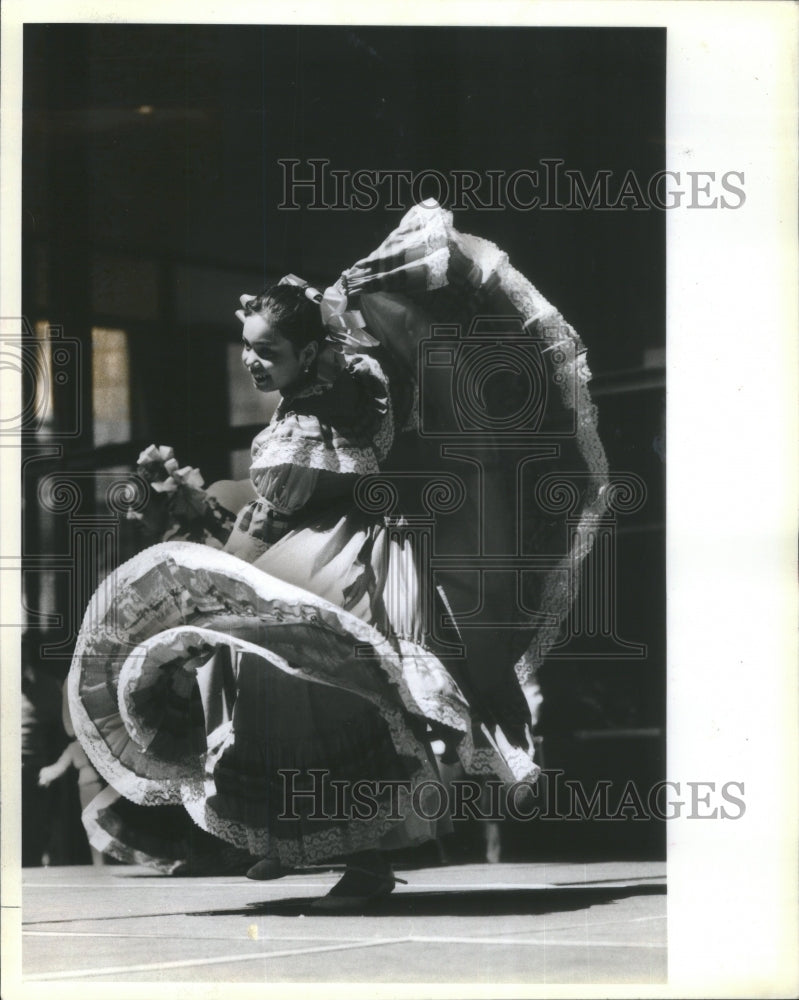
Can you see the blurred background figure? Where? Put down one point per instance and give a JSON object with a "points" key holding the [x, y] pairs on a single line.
{"points": [[490, 829], [42, 739], [89, 782]]}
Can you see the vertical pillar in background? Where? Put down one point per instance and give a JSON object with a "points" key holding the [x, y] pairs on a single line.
{"points": [[58, 123], [68, 217], [33, 294]]}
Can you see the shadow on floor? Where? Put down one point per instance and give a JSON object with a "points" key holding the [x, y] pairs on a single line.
{"points": [[489, 902]]}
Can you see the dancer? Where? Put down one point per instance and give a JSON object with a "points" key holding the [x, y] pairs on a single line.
{"points": [[285, 690]]}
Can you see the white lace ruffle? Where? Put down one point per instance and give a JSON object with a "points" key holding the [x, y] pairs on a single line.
{"points": [[437, 267], [572, 374], [103, 841], [334, 842], [280, 449]]}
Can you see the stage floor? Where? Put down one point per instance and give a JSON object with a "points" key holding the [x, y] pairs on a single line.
{"points": [[598, 922]]}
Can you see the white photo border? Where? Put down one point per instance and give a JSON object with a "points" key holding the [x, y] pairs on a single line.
{"points": [[732, 476]]}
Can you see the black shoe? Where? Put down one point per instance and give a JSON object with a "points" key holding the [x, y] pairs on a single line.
{"points": [[359, 887], [267, 869]]}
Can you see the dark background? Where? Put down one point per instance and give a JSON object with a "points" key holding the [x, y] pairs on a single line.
{"points": [[150, 201]]}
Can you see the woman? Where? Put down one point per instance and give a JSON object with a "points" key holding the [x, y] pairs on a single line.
{"points": [[89, 783], [336, 422], [340, 674]]}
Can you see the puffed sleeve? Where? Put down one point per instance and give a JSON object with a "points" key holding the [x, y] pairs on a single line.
{"points": [[283, 491], [288, 488]]}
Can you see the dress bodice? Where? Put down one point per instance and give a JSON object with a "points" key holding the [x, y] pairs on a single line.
{"points": [[341, 424], [320, 440]]}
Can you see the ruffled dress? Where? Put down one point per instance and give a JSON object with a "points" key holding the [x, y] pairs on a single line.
{"points": [[284, 691]]}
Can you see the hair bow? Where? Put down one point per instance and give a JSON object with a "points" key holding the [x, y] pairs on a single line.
{"points": [[345, 326]]}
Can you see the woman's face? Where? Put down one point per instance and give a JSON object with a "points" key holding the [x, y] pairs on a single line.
{"points": [[269, 356]]}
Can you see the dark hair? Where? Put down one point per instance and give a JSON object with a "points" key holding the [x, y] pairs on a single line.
{"points": [[296, 315]]}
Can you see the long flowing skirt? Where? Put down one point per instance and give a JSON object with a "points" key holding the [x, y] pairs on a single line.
{"points": [[282, 722]]}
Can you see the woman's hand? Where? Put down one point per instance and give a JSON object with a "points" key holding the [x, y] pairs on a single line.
{"points": [[49, 774], [243, 541]]}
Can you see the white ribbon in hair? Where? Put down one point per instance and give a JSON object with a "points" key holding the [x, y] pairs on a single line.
{"points": [[345, 326]]}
